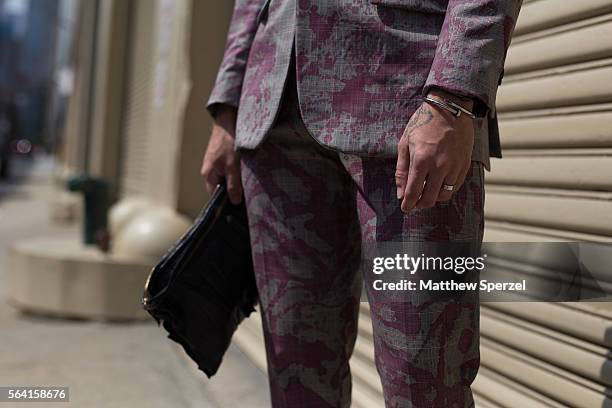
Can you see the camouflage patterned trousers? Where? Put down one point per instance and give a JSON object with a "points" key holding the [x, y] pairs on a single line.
{"points": [[310, 210]]}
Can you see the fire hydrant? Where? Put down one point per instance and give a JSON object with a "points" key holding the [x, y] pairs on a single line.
{"points": [[95, 209]]}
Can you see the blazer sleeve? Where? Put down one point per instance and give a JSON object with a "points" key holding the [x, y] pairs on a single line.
{"points": [[471, 49], [243, 25]]}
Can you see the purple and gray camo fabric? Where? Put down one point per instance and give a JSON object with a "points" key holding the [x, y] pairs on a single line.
{"points": [[324, 90], [311, 210], [362, 66]]}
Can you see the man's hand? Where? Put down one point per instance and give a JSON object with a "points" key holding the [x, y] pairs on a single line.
{"points": [[435, 149], [221, 161]]}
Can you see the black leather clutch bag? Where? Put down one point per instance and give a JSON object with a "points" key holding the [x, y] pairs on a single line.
{"points": [[204, 286]]}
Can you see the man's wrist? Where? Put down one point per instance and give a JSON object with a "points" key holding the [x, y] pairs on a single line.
{"points": [[225, 115]]}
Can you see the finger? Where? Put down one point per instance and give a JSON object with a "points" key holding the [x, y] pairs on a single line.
{"points": [[462, 175], [401, 169], [206, 172], [449, 180], [211, 179], [432, 189], [414, 187], [234, 184]]}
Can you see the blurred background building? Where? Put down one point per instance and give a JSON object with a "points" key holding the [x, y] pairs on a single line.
{"points": [[27, 42], [115, 90], [124, 118]]}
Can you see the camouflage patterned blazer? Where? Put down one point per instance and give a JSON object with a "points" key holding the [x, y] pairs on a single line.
{"points": [[363, 65]]}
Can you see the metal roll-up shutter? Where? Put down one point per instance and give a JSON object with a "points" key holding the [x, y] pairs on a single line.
{"points": [[136, 138], [554, 184]]}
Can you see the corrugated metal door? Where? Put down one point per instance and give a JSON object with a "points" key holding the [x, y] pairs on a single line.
{"points": [[554, 184]]}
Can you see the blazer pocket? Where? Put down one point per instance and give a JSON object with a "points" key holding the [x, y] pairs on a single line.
{"points": [[421, 6]]}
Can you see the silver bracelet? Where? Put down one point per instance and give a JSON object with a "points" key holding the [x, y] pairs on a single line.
{"points": [[450, 106]]}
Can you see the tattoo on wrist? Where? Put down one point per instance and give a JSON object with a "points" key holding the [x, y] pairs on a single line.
{"points": [[419, 119]]}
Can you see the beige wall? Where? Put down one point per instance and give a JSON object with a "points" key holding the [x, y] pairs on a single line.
{"points": [[109, 83], [153, 74], [170, 90], [209, 22], [156, 92]]}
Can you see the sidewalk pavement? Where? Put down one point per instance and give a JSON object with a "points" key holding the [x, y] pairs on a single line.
{"points": [[103, 364]]}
